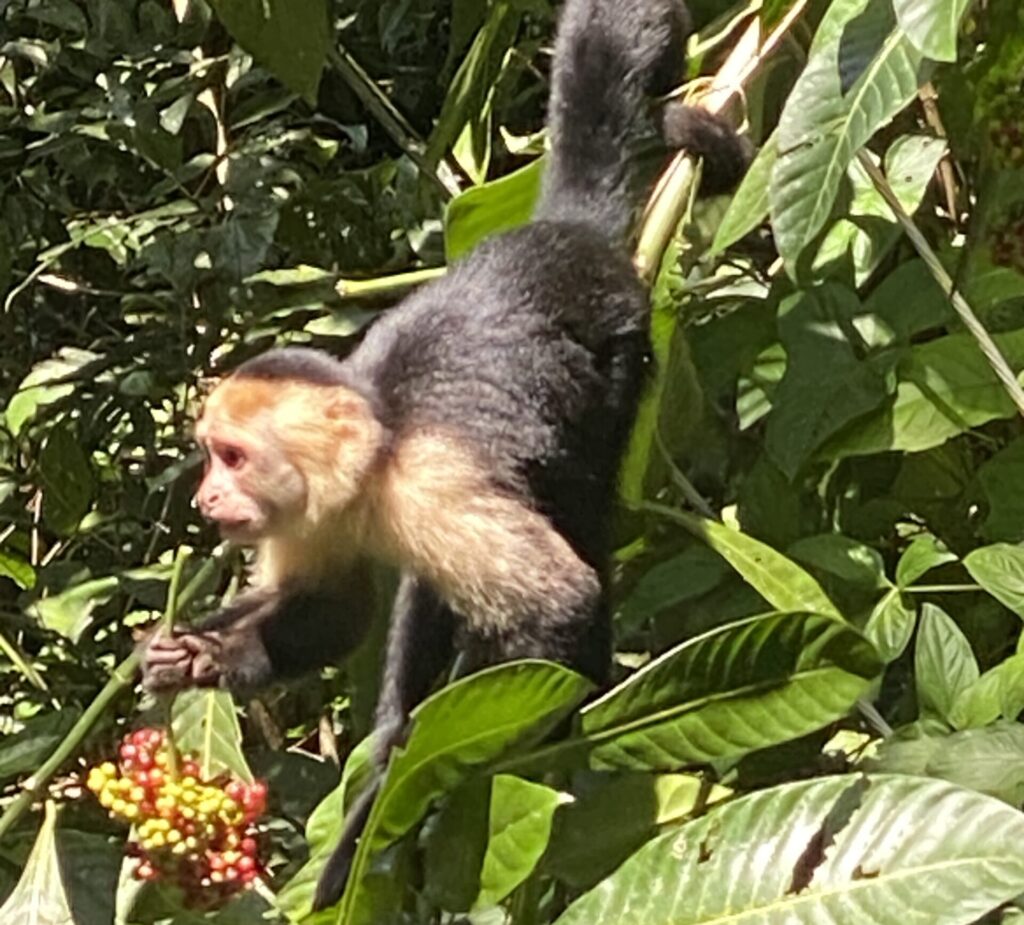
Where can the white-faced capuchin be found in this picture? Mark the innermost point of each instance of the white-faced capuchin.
(473, 439)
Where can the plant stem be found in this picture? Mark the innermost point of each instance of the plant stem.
(971, 321)
(940, 589)
(386, 285)
(121, 678)
(167, 700)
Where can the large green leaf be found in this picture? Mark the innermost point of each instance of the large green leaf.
(944, 664)
(989, 760)
(67, 479)
(70, 611)
(932, 25)
(835, 851)
(205, 724)
(779, 580)
(826, 385)
(518, 832)
(946, 387)
(1000, 478)
(25, 750)
(614, 814)
(862, 70)
(482, 211)
(731, 691)
(999, 569)
(461, 729)
(288, 37)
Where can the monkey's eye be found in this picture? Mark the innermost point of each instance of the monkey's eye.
(232, 456)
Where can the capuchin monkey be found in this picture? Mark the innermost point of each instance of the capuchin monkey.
(473, 438)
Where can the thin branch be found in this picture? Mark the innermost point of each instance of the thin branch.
(971, 321)
(393, 122)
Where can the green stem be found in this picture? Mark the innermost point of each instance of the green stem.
(167, 700)
(121, 678)
(971, 321)
(392, 284)
(940, 589)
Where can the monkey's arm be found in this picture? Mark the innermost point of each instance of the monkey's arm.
(263, 635)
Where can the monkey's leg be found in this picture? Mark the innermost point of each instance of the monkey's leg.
(419, 646)
(261, 636)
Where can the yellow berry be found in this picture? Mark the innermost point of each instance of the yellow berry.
(137, 794)
(108, 769)
(188, 783)
(172, 789)
(118, 806)
(157, 840)
(107, 798)
(130, 811)
(179, 848)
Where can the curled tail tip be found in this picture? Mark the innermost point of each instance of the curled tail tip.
(725, 153)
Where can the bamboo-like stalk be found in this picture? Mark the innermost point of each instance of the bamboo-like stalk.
(393, 122)
(971, 321)
(674, 190)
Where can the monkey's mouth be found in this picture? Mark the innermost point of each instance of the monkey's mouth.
(239, 531)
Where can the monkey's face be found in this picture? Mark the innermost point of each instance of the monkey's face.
(282, 457)
(251, 491)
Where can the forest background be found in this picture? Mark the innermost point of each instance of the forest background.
(819, 583)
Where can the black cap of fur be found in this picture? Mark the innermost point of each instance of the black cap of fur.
(304, 364)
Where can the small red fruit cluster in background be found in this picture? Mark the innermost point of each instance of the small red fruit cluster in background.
(198, 834)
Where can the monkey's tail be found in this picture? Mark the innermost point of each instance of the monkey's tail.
(611, 57)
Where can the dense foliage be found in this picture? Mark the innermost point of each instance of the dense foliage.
(820, 577)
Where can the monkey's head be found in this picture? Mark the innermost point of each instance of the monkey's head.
(285, 449)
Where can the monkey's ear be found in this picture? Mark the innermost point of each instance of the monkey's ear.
(344, 405)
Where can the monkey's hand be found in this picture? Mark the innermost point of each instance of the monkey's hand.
(226, 650)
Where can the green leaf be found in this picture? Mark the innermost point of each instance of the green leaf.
(907, 302)
(989, 760)
(825, 385)
(18, 570)
(205, 725)
(25, 750)
(861, 71)
(494, 207)
(323, 830)
(461, 729)
(469, 96)
(70, 612)
(871, 230)
(39, 898)
(749, 205)
(614, 814)
(891, 625)
(67, 479)
(832, 851)
(999, 569)
(731, 691)
(44, 386)
(289, 38)
(520, 826)
(1000, 478)
(946, 387)
(681, 578)
(779, 580)
(850, 561)
(921, 556)
(998, 692)
(944, 664)
(932, 25)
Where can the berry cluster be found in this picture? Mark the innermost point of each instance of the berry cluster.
(200, 835)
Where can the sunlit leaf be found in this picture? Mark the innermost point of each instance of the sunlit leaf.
(828, 852)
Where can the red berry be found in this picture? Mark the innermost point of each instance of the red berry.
(249, 846)
(128, 751)
(245, 863)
